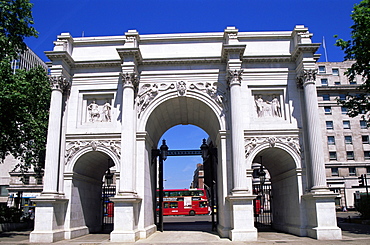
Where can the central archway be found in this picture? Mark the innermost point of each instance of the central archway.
(195, 109)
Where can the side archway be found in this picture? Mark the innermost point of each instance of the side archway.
(83, 186)
(286, 176)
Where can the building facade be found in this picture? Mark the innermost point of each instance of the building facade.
(113, 97)
(27, 60)
(346, 147)
(198, 177)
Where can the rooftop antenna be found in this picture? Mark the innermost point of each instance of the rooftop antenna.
(324, 46)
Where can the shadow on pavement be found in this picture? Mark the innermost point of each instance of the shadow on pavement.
(354, 226)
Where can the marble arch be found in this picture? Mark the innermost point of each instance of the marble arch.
(113, 97)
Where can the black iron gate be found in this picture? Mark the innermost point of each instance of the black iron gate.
(262, 205)
(108, 206)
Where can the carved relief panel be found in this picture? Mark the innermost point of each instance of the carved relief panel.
(97, 108)
(269, 104)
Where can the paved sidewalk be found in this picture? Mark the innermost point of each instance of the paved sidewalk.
(199, 233)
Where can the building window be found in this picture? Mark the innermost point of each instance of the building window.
(324, 82)
(334, 171)
(331, 140)
(329, 125)
(365, 139)
(322, 69)
(352, 82)
(3, 190)
(332, 155)
(368, 170)
(344, 110)
(350, 155)
(346, 125)
(327, 110)
(348, 139)
(367, 155)
(325, 97)
(363, 124)
(335, 72)
(352, 171)
(337, 83)
(342, 97)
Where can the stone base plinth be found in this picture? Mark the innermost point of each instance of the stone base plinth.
(49, 219)
(321, 216)
(125, 218)
(242, 218)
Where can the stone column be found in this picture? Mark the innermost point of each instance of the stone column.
(319, 203)
(128, 136)
(237, 136)
(58, 85)
(307, 81)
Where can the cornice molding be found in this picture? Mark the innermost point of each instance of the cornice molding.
(232, 48)
(307, 47)
(60, 55)
(134, 51)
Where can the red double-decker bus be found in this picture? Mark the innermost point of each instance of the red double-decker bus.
(184, 202)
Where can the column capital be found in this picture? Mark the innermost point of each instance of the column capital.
(130, 80)
(234, 77)
(59, 83)
(307, 76)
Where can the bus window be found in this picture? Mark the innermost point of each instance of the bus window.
(202, 204)
(173, 205)
(180, 199)
(165, 193)
(165, 205)
(200, 193)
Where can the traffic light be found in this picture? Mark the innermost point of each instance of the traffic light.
(361, 181)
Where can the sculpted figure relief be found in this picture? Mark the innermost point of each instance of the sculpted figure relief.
(95, 115)
(216, 95)
(107, 112)
(93, 111)
(146, 96)
(268, 108)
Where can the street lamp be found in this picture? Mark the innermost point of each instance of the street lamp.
(204, 148)
(261, 173)
(162, 153)
(164, 150)
(109, 176)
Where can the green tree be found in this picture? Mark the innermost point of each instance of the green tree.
(358, 49)
(24, 95)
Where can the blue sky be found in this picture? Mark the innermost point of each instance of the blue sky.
(114, 17)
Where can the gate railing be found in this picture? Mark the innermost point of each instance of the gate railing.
(108, 206)
(262, 205)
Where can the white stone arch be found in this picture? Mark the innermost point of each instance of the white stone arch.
(203, 97)
(101, 148)
(290, 150)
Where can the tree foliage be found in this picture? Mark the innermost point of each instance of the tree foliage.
(24, 95)
(15, 24)
(358, 49)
